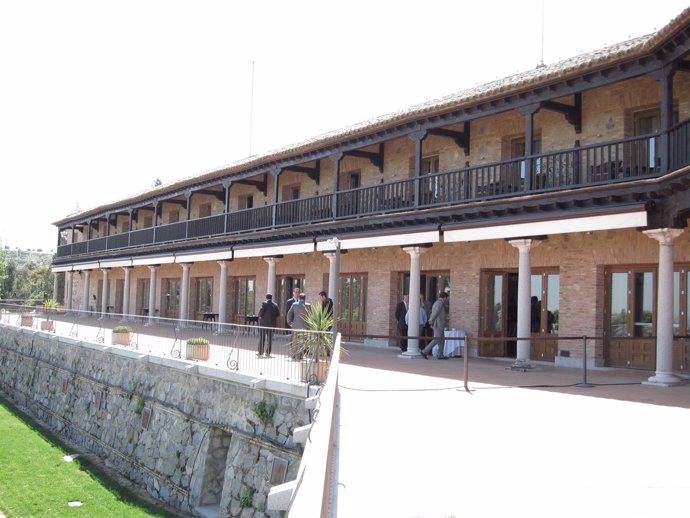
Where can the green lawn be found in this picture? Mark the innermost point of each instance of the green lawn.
(35, 481)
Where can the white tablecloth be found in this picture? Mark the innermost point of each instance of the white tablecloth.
(452, 347)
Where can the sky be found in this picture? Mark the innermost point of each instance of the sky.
(98, 99)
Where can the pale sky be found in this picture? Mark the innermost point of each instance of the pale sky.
(98, 99)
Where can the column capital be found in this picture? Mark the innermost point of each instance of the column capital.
(126, 268)
(185, 266)
(152, 267)
(273, 259)
(223, 263)
(664, 236)
(524, 245)
(415, 250)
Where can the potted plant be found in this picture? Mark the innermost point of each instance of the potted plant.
(198, 349)
(315, 347)
(27, 319)
(122, 335)
(50, 306)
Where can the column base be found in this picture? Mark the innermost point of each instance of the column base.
(662, 379)
(410, 355)
(522, 365)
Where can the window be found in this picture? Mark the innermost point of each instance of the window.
(544, 313)
(631, 302)
(245, 296)
(245, 202)
(291, 192)
(171, 297)
(204, 294)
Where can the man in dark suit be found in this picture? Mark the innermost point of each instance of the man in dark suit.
(326, 304)
(400, 312)
(268, 314)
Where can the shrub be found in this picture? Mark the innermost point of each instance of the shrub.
(197, 341)
(122, 329)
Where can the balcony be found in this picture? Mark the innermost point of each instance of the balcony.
(612, 162)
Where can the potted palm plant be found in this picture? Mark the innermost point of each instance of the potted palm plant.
(198, 348)
(122, 335)
(50, 306)
(315, 346)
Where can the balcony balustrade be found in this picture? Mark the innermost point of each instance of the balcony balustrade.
(617, 161)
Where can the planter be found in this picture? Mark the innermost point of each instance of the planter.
(198, 352)
(47, 325)
(27, 320)
(122, 338)
(314, 372)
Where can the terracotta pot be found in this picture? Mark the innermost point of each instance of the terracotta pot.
(47, 325)
(27, 320)
(198, 352)
(122, 338)
(315, 372)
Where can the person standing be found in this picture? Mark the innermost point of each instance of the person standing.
(268, 315)
(290, 302)
(400, 313)
(437, 321)
(295, 319)
(327, 305)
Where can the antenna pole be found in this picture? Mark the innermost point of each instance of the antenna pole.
(251, 113)
(542, 32)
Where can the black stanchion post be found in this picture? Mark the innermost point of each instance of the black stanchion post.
(583, 383)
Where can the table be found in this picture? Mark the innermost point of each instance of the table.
(208, 317)
(251, 320)
(452, 347)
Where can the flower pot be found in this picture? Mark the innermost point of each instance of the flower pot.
(47, 325)
(27, 320)
(314, 372)
(198, 352)
(122, 338)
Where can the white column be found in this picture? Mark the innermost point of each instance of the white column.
(152, 296)
(524, 309)
(85, 292)
(223, 295)
(332, 273)
(104, 294)
(271, 280)
(413, 309)
(68, 290)
(184, 295)
(55, 285)
(664, 307)
(125, 294)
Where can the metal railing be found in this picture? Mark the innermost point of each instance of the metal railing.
(615, 161)
(231, 347)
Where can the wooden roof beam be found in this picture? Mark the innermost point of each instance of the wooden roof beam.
(573, 114)
(261, 185)
(313, 172)
(376, 158)
(461, 138)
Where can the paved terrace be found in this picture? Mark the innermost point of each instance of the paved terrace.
(411, 442)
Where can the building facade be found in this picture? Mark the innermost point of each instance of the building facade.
(551, 205)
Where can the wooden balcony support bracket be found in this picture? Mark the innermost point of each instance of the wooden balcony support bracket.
(375, 158)
(461, 138)
(219, 195)
(313, 172)
(573, 114)
(261, 185)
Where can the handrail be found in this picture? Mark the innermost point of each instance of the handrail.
(313, 484)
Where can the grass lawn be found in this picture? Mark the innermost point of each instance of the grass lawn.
(35, 481)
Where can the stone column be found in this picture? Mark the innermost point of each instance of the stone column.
(333, 276)
(68, 290)
(524, 309)
(413, 309)
(152, 296)
(184, 295)
(105, 295)
(664, 307)
(125, 293)
(223, 295)
(85, 293)
(271, 280)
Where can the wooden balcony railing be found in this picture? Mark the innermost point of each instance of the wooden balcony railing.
(618, 161)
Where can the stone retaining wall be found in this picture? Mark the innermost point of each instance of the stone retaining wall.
(190, 436)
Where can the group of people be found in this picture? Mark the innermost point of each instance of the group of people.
(435, 319)
(296, 309)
